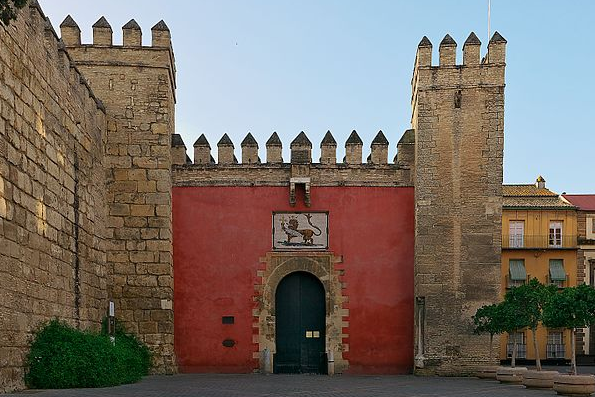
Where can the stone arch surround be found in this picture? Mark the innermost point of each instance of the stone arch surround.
(327, 268)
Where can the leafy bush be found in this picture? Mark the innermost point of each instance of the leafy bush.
(63, 357)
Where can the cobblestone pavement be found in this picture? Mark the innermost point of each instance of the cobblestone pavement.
(209, 385)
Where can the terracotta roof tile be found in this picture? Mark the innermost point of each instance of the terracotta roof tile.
(585, 202)
(552, 202)
(529, 190)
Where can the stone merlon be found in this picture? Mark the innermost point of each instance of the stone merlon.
(202, 141)
(328, 140)
(354, 139)
(301, 140)
(274, 140)
(225, 141)
(249, 141)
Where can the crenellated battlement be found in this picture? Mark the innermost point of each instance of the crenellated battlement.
(103, 34)
(251, 171)
(131, 53)
(471, 52)
(301, 151)
(475, 71)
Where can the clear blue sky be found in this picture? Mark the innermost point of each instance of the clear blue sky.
(313, 65)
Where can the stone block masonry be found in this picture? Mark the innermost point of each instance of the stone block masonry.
(458, 118)
(86, 197)
(137, 85)
(52, 191)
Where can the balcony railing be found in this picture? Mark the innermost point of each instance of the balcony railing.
(521, 350)
(558, 283)
(555, 350)
(514, 283)
(537, 241)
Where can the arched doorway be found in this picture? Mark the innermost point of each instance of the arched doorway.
(300, 312)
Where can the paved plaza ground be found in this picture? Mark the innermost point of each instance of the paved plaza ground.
(210, 385)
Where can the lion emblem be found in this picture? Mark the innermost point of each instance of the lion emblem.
(291, 229)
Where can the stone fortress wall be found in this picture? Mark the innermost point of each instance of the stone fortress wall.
(85, 185)
(52, 191)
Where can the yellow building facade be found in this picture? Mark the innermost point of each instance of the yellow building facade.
(539, 232)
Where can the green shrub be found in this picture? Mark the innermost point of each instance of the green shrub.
(63, 357)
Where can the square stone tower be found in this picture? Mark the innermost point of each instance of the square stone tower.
(458, 118)
(137, 86)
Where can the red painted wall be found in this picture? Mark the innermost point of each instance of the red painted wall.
(221, 232)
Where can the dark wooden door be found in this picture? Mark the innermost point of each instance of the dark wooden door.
(300, 313)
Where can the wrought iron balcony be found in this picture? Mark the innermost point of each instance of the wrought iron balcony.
(538, 242)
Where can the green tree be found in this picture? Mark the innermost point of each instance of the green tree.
(529, 300)
(572, 308)
(487, 320)
(8, 10)
(512, 319)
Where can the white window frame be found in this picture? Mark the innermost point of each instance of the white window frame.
(521, 344)
(516, 234)
(555, 234)
(555, 348)
(591, 227)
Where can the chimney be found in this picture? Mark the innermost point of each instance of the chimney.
(540, 183)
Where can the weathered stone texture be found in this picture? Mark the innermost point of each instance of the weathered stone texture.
(279, 175)
(52, 192)
(458, 117)
(137, 85)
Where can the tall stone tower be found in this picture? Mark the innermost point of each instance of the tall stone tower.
(458, 118)
(137, 86)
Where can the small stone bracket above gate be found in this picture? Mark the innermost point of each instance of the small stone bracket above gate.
(293, 182)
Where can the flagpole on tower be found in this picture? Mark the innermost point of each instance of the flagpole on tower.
(489, 9)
